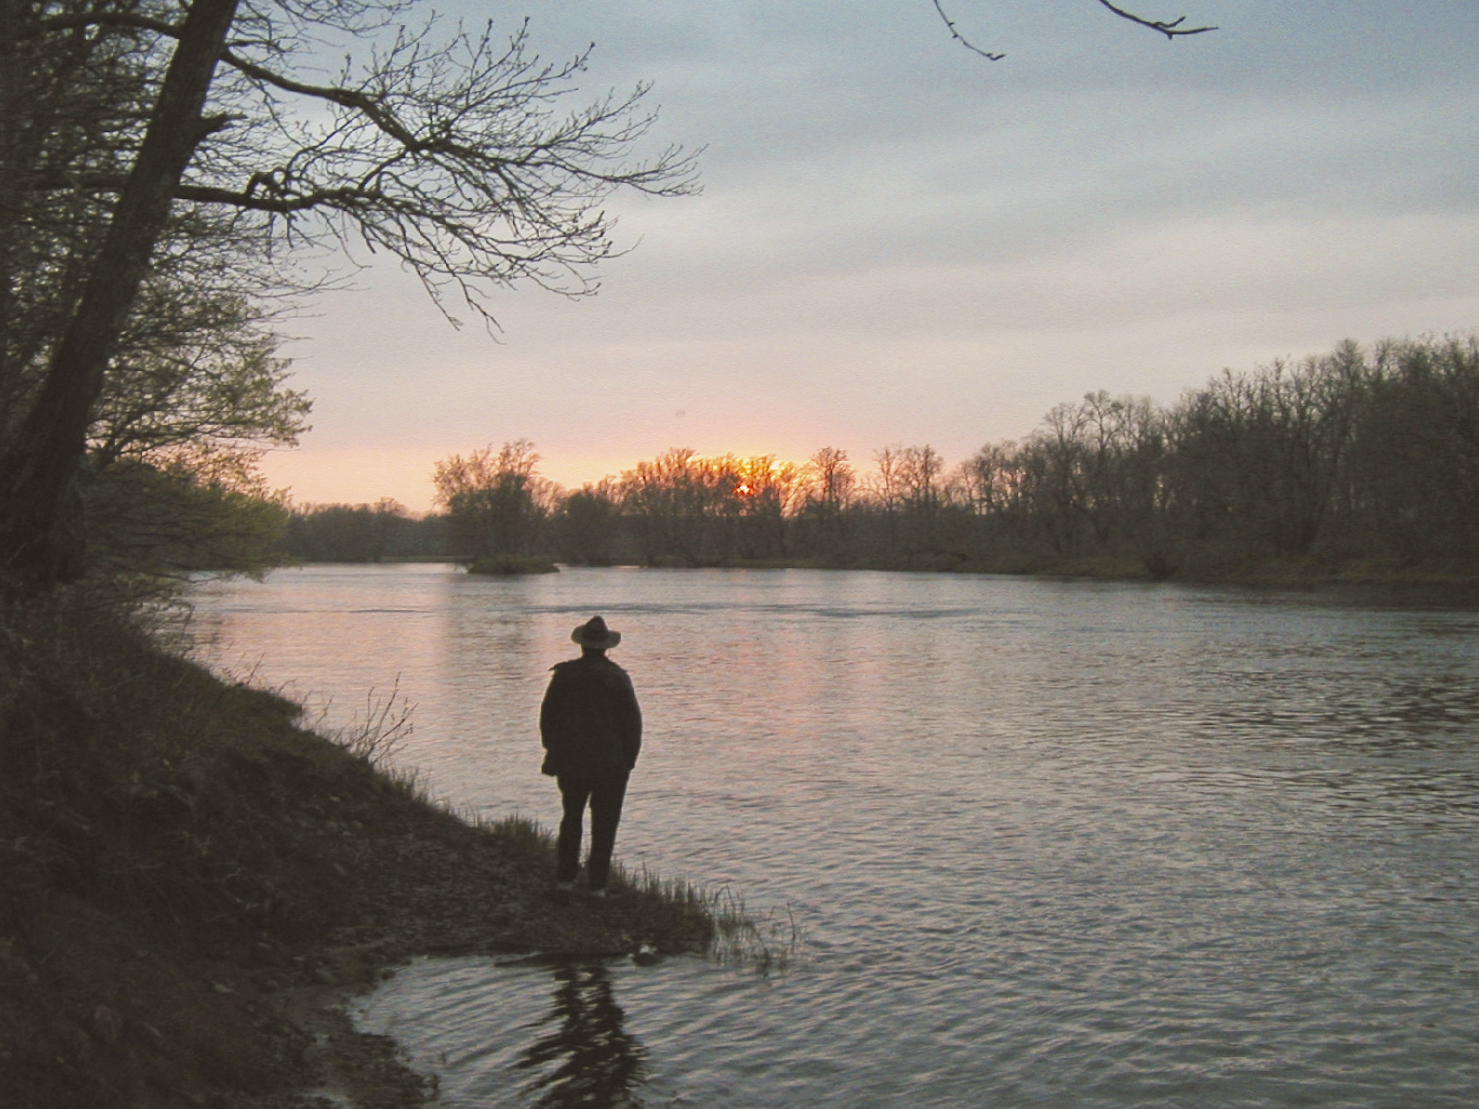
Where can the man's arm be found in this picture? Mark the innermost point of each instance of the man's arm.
(554, 707)
(629, 720)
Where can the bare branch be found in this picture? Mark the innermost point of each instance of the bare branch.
(345, 98)
(453, 157)
(1171, 29)
(277, 205)
(958, 37)
(76, 20)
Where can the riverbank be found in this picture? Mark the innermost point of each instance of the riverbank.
(190, 885)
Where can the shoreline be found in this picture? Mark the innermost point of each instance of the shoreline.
(192, 887)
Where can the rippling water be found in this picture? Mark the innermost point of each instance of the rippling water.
(1047, 844)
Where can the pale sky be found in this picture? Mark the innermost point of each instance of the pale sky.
(900, 242)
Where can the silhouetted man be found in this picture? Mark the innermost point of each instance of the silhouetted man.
(592, 730)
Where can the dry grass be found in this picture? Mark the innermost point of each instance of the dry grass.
(378, 733)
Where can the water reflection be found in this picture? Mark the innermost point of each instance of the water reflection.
(1105, 846)
(587, 1056)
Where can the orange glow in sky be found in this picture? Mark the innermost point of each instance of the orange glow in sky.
(352, 475)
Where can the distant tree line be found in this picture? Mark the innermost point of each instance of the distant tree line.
(1356, 457)
(380, 532)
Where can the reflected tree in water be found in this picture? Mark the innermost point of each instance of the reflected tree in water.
(588, 1058)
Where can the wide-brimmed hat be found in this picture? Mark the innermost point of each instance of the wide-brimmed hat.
(595, 633)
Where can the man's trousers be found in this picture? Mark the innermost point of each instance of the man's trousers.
(604, 795)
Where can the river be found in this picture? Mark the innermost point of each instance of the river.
(1038, 843)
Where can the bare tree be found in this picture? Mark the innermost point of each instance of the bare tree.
(831, 482)
(887, 485)
(992, 479)
(453, 156)
(920, 470)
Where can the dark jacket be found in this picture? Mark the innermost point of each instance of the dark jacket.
(589, 722)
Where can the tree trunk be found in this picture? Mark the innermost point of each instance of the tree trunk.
(41, 539)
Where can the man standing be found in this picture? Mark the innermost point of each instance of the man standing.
(592, 730)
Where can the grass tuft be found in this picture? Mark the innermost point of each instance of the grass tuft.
(379, 733)
(766, 943)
